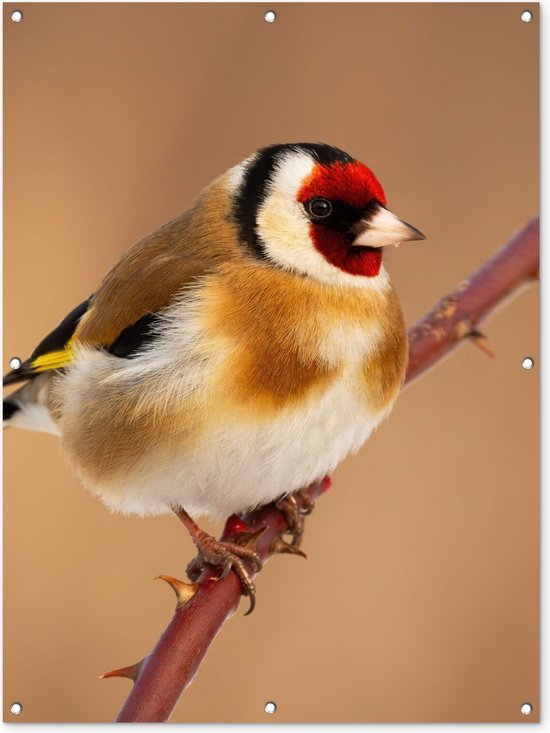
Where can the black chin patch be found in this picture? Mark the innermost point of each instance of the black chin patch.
(257, 178)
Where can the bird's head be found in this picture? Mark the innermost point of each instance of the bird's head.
(314, 209)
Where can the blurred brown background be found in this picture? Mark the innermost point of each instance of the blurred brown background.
(115, 117)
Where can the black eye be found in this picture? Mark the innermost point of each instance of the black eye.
(319, 208)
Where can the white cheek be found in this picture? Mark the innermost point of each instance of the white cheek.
(292, 170)
(282, 224)
(285, 232)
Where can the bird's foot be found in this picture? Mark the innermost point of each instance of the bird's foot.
(295, 507)
(226, 556)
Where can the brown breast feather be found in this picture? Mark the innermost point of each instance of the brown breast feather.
(279, 320)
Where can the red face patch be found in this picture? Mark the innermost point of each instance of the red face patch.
(353, 184)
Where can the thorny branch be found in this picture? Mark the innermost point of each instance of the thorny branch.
(457, 316)
(203, 607)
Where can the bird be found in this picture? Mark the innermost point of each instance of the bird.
(234, 356)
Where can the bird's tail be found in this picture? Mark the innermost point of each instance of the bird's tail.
(27, 407)
(9, 409)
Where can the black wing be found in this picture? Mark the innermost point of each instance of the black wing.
(54, 341)
(132, 340)
(127, 345)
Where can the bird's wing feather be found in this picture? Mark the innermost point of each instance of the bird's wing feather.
(119, 316)
(54, 351)
(145, 279)
(132, 340)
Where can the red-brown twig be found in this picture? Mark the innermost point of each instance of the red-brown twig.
(458, 314)
(202, 608)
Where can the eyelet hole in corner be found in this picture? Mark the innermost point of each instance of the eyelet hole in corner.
(270, 16)
(16, 16)
(270, 707)
(528, 362)
(526, 708)
(15, 363)
(16, 708)
(526, 16)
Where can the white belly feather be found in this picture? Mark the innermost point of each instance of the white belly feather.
(239, 466)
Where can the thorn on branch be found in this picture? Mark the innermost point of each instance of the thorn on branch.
(480, 340)
(279, 546)
(130, 672)
(184, 591)
(249, 539)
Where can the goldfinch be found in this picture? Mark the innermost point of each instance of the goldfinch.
(235, 355)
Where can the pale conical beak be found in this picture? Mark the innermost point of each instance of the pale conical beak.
(382, 228)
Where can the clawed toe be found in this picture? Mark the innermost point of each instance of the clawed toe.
(227, 556)
(295, 507)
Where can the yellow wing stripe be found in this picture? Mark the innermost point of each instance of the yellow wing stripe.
(55, 359)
